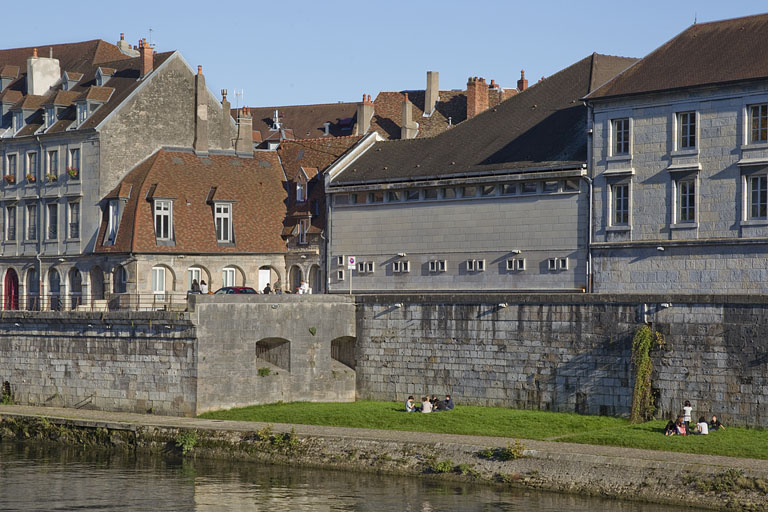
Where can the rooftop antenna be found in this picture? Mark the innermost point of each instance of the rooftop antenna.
(150, 36)
(238, 97)
(694, 17)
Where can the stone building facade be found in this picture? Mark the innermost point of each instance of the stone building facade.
(680, 156)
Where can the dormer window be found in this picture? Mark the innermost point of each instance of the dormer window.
(223, 219)
(103, 75)
(18, 121)
(50, 116)
(163, 219)
(82, 113)
(113, 222)
(301, 192)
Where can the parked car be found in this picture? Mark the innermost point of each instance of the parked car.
(234, 289)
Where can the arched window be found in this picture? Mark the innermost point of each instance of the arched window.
(119, 279)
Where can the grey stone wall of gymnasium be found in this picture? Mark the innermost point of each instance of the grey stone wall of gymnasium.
(566, 352)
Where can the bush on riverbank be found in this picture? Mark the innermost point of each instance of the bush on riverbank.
(501, 422)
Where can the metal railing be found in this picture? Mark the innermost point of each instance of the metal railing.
(110, 302)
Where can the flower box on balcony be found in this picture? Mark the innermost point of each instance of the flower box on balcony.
(31, 178)
(73, 172)
(10, 179)
(50, 178)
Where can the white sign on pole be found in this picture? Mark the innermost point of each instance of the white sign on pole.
(351, 260)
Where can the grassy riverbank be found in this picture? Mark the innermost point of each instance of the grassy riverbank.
(496, 421)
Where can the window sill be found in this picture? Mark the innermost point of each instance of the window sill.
(618, 229)
(225, 244)
(685, 152)
(755, 145)
(619, 158)
(754, 222)
(684, 225)
(165, 243)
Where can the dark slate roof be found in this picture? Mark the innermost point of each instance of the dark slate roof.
(305, 121)
(704, 54)
(255, 185)
(541, 127)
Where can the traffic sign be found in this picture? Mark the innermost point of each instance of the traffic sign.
(351, 260)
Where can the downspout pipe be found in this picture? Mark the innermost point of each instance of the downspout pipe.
(39, 226)
(590, 180)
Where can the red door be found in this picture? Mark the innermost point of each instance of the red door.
(11, 290)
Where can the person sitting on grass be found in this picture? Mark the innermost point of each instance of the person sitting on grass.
(670, 429)
(426, 405)
(715, 424)
(448, 404)
(680, 428)
(410, 406)
(701, 427)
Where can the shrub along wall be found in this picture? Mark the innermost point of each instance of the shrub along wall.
(567, 352)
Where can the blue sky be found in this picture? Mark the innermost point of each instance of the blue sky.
(298, 52)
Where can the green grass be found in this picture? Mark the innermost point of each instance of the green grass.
(512, 423)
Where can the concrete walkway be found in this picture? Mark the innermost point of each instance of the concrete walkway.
(539, 449)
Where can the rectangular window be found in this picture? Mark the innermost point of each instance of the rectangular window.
(394, 196)
(340, 261)
(621, 136)
(552, 264)
(369, 266)
(509, 189)
(430, 193)
(376, 197)
(163, 218)
(476, 265)
(686, 133)
(758, 123)
(74, 220)
(488, 190)
(529, 187)
(113, 222)
(223, 219)
(32, 165)
(442, 265)
(469, 192)
(551, 186)
(53, 221)
(74, 159)
(433, 266)
(620, 198)
(82, 113)
(194, 274)
(405, 266)
(686, 201)
(31, 222)
(758, 196)
(563, 263)
(10, 168)
(449, 193)
(10, 223)
(301, 192)
(395, 266)
(158, 283)
(228, 277)
(52, 164)
(303, 229)
(401, 266)
(571, 186)
(361, 267)
(341, 199)
(18, 121)
(340, 275)
(520, 264)
(50, 116)
(412, 194)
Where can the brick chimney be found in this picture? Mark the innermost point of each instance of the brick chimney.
(432, 92)
(146, 58)
(477, 96)
(226, 136)
(522, 84)
(244, 143)
(408, 128)
(200, 144)
(364, 115)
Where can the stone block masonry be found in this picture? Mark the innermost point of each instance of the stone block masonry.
(567, 352)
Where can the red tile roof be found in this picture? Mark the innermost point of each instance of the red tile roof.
(255, 185)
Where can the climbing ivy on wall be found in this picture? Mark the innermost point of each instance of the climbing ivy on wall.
(642, 397)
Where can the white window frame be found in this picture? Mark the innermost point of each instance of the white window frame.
(192, 274)
(222, 219)
(18, 121)
(73, 220)
(52, 162)
(340, 261)
(52, 220)
(562, 263)
(30, 226)
(12, 160)
(163, 209)
(301, 191)
(32, 163)
(685, 213)
(613, 203)
(158, 283)
(370, 267)
(303, 229)
(400, 266)
(475, 265)
(762, 129)
(761, 206)
(552, 264)
(340, 274)
(11, 224)
(520, 265)
(50, 116)
(396, 266)
(82, 113)
(687, 131)
(113, 221)
(74, 159)
(228, 276)
(621, 135)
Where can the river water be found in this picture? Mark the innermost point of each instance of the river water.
(36, 477)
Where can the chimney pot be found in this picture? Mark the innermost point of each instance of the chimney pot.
(406, 97)
(369, 98)
(199, 69)
(122, 36)
(224, 94)
(34, 52)
(363, 97)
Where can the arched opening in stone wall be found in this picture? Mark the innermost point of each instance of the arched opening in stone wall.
(269, 275)
(119, 279)
(315, 281)
(276, 351)
(295, 278)
(54, 289)
(343, 351)
(97, 283)
(33, 290)
(75, 288)
(11, 290)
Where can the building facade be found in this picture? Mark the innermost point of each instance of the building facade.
(680, 162)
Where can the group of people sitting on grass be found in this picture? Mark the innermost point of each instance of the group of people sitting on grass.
(429, 405)
(682, 426)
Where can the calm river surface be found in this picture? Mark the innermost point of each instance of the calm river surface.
(36, 478)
